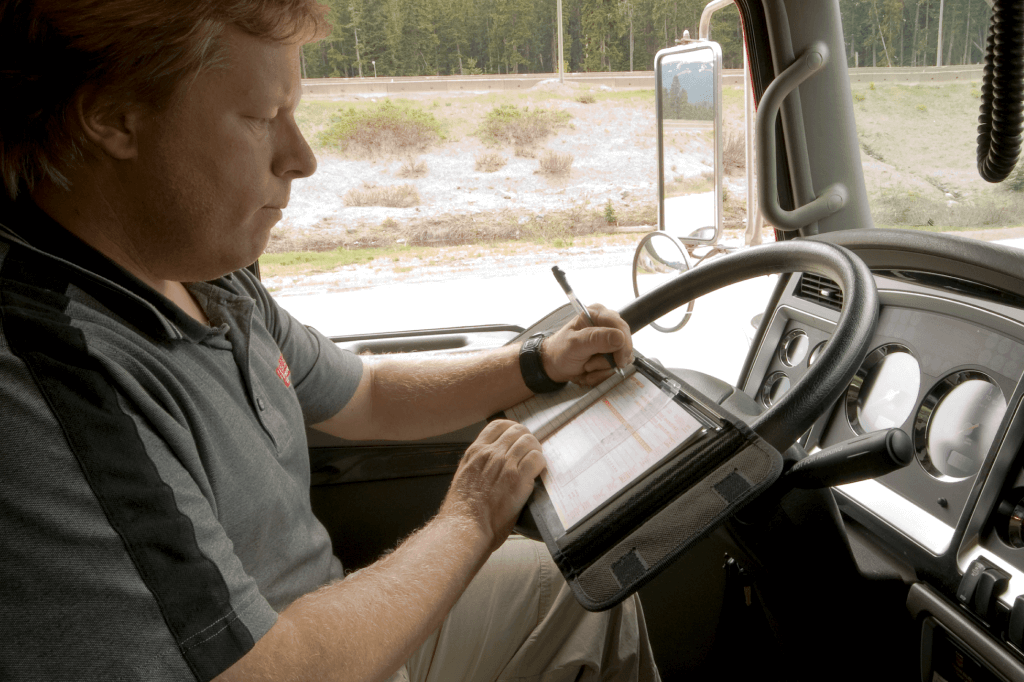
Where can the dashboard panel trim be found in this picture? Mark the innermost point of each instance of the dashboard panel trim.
(901, 514)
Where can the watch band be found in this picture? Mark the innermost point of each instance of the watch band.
(536, 379)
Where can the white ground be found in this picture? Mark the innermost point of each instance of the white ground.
(614, 147)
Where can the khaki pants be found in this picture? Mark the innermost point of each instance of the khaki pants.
(518, 621)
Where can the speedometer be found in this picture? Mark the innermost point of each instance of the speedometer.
(956, 424)
(884, 391)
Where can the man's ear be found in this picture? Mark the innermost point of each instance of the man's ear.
(111, 129)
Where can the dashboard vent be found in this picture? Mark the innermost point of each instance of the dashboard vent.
(820, 290)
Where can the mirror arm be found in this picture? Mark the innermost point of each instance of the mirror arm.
(704, 30)
(835, 196)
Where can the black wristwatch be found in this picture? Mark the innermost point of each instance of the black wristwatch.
(537, 380)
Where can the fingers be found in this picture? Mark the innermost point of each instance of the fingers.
(494, 430)
(594, 378)
(603, 317)
(518, 442)
(591, 345)
(610, 334)
(511, 439)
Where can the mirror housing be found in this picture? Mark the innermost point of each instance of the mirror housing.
(688, 100)
(658, 258)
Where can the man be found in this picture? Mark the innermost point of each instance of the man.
(154, 505)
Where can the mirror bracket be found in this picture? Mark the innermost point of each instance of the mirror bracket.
(835, 196)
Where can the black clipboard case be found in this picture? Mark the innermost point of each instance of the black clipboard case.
(639, 532)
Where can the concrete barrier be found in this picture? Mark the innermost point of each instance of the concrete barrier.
(636, 80)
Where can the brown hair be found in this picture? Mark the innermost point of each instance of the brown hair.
(143, 51)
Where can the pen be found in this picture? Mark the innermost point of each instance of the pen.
(581, 309)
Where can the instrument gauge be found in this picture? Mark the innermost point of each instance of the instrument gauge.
(794, 347)
(816, 353)
(956, 424)
(774, 388)
(884, 392)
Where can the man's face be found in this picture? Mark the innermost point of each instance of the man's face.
(214, 170)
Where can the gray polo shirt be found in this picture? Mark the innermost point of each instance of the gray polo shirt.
(154, 473)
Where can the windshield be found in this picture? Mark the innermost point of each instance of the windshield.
(916, 70)
(456, 166)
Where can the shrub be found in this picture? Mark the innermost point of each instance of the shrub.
(412, 168)
(382, 129)
(609, 213)
(734, 153)
(524, 152)
(490, 162)
(508, 124)
(586, 98)
(694, 184)
(391, 196)
(554, 163)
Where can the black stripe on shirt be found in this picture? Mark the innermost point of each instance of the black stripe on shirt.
(159, 538)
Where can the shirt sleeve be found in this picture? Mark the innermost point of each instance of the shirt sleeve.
(324, 376)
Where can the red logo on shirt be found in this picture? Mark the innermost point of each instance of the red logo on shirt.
(283, 371)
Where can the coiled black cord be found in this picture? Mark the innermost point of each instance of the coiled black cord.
(1002, 92)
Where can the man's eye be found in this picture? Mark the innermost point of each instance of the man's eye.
(260, 122)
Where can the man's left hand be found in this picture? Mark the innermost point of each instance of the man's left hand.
(576, 351)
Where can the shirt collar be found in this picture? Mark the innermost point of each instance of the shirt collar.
(23, 222)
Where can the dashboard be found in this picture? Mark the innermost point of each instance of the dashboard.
(945, 366)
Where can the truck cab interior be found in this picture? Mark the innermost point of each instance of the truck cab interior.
(892, 556)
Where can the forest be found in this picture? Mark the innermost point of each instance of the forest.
(387, 38)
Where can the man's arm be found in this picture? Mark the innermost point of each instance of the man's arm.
(365, 626)
(405, 398)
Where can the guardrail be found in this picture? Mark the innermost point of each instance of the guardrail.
(623, 80)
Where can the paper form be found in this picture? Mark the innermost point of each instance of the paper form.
(621, 436)
(545, 412)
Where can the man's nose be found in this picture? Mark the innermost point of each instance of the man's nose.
(294, 157)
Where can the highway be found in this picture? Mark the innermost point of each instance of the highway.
(619, 80)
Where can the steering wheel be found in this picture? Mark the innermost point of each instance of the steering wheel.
(783, 423)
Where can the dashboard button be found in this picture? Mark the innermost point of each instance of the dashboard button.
(1015, 632)
(968, 584)
(992, 583)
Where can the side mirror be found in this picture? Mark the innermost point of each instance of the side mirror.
(688, 99)
(658, 258)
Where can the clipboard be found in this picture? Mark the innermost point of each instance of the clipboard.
(617, 505)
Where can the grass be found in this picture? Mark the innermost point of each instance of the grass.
(391, 196)
(296, 262)
(404, 259)
(507, 124)
(555, 163)
(489, 162)
(385, 128)
(734, 153)
(693, 184)
(412, 168)
(919, 144)
(454, 229)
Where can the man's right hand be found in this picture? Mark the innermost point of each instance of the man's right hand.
(494, 479)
